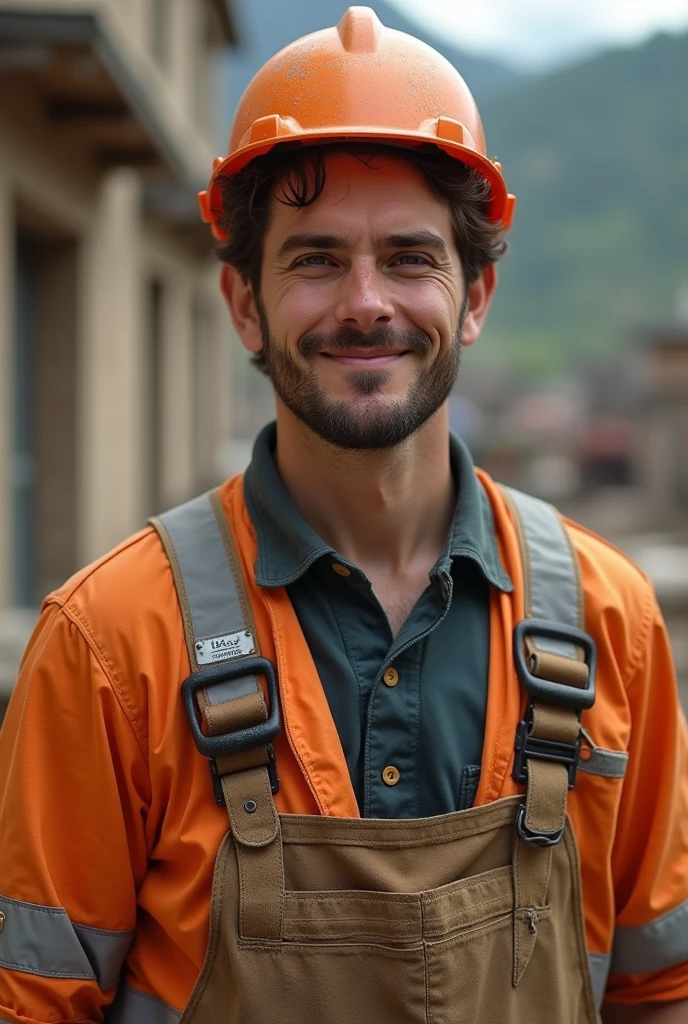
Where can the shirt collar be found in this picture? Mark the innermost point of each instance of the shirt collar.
(287, 546)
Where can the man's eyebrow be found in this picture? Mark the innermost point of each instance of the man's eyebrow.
(400, 240)
(414, 240)
(304, 240)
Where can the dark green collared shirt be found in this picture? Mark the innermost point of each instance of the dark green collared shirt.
(426, 718)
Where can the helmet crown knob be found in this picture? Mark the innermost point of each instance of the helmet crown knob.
(359, 30)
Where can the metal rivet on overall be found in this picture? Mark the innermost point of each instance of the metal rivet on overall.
(250, 806)
(199, 646)
(2, 920)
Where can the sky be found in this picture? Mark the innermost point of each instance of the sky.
(541, 33)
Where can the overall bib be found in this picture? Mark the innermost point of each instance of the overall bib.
(473, 917)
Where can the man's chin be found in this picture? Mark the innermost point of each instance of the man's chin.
(355, 429)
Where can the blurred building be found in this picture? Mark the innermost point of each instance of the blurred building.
(663, 457)
(113, 345)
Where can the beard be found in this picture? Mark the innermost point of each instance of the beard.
(367, 421)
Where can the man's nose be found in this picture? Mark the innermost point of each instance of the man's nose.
(364, 301)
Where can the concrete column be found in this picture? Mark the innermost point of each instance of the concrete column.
(137, 21)
(111, 385)
(177, 412)
(182, 52)
(6, 335)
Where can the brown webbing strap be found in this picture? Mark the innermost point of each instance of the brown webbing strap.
(251, 709)
(545, 812)
(545, 549)
(258, 842)
(551, 580)
(196, 537)
(531, 865)
(218, 622)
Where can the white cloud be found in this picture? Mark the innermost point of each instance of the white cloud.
(542, 32)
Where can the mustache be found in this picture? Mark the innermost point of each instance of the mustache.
(380, 338)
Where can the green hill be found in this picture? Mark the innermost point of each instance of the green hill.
(598, 157)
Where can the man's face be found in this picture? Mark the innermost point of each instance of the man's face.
(362, 301)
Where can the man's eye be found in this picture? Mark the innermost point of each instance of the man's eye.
(410, 259)
(316, 259)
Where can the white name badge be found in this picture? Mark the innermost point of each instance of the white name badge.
(222, 648)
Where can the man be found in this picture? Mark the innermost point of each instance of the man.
(383, 578)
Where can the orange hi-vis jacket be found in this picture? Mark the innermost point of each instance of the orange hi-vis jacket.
(108, 825)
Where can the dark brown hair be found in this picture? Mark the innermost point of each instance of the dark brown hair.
(295, 175)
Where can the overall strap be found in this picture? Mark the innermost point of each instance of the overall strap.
(232, 724)
(555, 663)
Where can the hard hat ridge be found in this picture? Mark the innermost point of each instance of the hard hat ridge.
(359, 30)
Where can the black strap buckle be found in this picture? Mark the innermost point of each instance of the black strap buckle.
(531, 835)
(528, 745)
(555, 693)
(253, 736)
(572, 697)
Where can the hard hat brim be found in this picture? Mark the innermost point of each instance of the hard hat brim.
(501, 202)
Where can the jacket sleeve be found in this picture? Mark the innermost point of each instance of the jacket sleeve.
(650, 856)
(73, 798)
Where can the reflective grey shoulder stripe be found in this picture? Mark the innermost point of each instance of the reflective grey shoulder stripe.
(599, 972)
(42, 940)
(654, 946)
(205, 569)
(553, 570)
(134, 1007)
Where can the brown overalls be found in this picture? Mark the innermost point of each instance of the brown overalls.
(472, 917)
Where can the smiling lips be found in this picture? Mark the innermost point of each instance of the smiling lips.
(368, 358)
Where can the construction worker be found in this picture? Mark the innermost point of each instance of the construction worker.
(359, 736)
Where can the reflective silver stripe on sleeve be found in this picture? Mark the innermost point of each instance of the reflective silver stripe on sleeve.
(654, 946)
(42, 940)
(210, 589)
(106, 952)
(598, 964)
(133, 1007)
(553, 570)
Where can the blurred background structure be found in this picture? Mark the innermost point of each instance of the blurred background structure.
(123, 390)
(113, 354)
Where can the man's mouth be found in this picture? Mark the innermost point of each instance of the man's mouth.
(366, 358)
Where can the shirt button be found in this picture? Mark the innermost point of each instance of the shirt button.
(390, 775)
(341, 570)
(391, 677)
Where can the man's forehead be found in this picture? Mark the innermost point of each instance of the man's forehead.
(347, 173)
(374, 189)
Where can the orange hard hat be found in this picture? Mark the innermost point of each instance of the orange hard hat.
(354, 82)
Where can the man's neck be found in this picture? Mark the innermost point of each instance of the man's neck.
(388, 512)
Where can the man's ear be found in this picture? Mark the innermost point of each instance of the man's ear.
(479, 297)
(243, 311)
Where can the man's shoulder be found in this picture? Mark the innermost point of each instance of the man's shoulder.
(619, 600)
(125, 606)
(605, 567)
(124, 576)
(607, 573)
